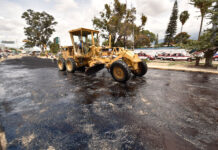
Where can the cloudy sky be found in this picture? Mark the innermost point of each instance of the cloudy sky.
(72, 14)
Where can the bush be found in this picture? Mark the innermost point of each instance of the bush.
(42, 54)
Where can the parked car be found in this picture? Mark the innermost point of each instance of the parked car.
(167, 57)
(164, 56)
(215, 57)
(145, 56)
(180, 56)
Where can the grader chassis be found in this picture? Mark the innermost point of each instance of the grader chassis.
(92, 58)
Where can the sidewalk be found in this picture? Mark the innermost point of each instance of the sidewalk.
(180, 67)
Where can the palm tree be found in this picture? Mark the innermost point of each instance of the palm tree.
(203, 5)
(183, 18)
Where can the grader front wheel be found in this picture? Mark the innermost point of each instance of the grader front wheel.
(120, 71)
(142, 69)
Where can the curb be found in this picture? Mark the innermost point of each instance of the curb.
(184, 70)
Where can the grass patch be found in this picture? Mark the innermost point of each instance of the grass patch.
(172, 64)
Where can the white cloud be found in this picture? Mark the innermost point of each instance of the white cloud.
(72, 14)
(11, 24)
(65, 5)
(153, 8)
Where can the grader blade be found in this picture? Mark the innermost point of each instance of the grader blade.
(94, 69)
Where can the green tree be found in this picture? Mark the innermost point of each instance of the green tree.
(40, 28)
(214, 21)
(203, 5)
(118, 20)
(149, 37)
(183, 18)
(156, 41)
(213, 37)
(208, 42)
(181, 38)
(204, 45)
(54, 47)
(141, 39)
(172, 26)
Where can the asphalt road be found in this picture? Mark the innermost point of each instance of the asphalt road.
(43, 108)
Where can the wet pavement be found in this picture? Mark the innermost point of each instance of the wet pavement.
(43, 108)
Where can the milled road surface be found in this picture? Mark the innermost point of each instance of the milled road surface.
(43, 108)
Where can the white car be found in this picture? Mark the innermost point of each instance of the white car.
(180, 56)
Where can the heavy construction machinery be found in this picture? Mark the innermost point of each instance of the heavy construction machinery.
(86, 54)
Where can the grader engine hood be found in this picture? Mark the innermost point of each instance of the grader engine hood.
(132, 56)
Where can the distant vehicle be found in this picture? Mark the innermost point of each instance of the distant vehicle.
(4, 55)
(180, 56)
(34, 53)
(145, 56)
(215, 57)
(164, 56)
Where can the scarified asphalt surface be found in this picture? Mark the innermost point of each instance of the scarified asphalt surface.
(43, 108)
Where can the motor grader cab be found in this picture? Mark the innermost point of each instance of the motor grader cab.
(85, 53)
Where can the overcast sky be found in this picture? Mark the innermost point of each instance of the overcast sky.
(72, 14)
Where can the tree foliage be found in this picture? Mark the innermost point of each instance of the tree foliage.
(183, 18)
(208, 42)
(181, 38)
(40, 28)
(213, 13)
(54, 47)
(172, 26)
(203, 5)
(156, 41)
(118, 20)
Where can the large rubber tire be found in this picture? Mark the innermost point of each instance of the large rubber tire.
(142, 69)
(61, 64)
(120, 71)
(70, 65)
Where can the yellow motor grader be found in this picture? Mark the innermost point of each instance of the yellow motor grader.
(85, 53)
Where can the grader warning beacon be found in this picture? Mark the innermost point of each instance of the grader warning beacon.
(86, 54)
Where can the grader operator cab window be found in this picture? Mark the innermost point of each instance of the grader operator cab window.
(82, 39)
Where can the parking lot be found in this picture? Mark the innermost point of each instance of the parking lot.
(43, 108)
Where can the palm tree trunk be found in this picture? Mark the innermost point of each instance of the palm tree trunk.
(208, 61)
(181, 28)
(42, 48)
(197, 61)
(209, 57)
(202, 18)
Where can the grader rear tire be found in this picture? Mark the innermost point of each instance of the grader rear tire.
(70, 65)
(120, 71)
(142, 69)
(61, 64)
